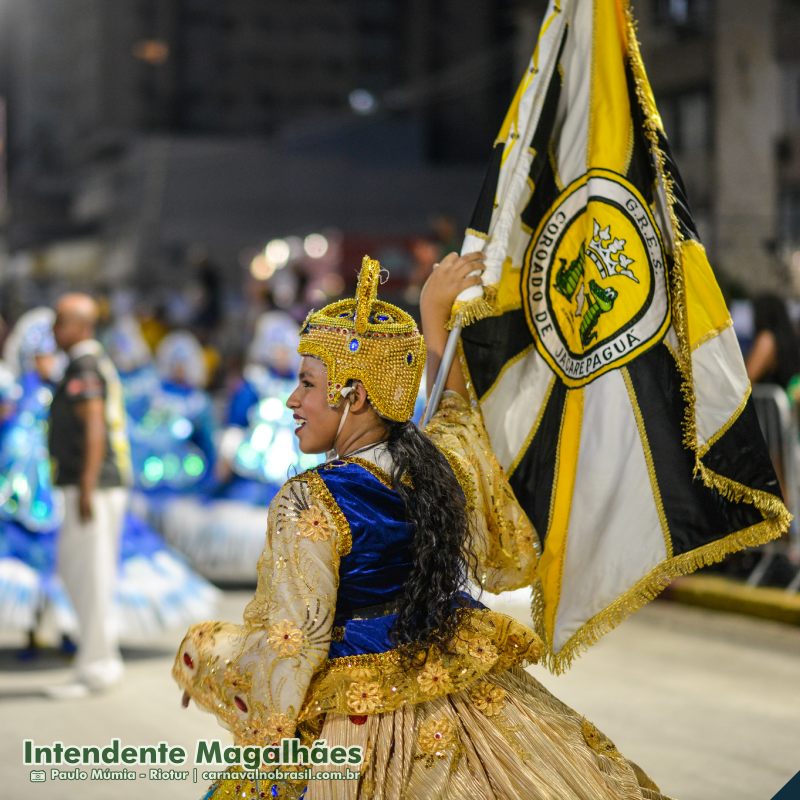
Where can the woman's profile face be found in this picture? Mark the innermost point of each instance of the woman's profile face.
(317, 422)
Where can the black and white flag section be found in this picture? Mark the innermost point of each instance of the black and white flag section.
(600, 351)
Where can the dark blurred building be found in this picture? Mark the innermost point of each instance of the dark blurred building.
(103, 96)
(140, 126)
(247, 67)
(726, 74)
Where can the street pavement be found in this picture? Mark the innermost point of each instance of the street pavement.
(707, 703)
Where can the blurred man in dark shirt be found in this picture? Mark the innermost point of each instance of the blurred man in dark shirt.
(91, 463)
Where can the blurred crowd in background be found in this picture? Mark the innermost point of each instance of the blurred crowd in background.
(290, 275)
(211, 439)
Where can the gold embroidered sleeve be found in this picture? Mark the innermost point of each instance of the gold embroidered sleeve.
(504, 539)
(254, 676)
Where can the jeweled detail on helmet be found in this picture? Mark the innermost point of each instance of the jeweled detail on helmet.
(366, 339)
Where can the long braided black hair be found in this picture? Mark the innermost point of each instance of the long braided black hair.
(442, 552)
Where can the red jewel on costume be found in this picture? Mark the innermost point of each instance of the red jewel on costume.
(358, 720)
(240, 704)
(187, 659)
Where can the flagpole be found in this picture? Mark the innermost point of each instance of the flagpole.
(444, 370)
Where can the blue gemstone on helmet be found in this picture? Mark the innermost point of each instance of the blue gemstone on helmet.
(382, 318)
(345, 314)
(409, 359)
(354, 345)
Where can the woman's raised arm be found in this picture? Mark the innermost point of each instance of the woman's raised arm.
(448, 279)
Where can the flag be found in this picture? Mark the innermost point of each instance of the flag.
(601, 351)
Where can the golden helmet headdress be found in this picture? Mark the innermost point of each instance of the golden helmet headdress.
(371, 341)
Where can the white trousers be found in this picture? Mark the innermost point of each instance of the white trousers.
(88, 554)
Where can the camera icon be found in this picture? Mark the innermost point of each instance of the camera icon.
(38, 776)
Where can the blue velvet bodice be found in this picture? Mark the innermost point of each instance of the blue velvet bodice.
(375, 569)
(373, 573)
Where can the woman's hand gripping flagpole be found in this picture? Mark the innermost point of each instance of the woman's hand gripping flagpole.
(456, 278)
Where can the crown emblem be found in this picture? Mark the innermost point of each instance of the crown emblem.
(607, 252)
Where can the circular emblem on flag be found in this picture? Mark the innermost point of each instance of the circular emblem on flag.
(594, 281)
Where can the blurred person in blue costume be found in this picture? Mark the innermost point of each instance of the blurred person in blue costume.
(173, 444)
(31, 353)
(30, 510)
(156, 590)
(258, 446)
(127, 348)
(223, 535)
(362, 631)
(23, 559)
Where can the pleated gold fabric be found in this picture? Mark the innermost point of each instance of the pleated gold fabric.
(506, 739)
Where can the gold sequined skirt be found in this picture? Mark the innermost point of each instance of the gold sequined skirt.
(504, 738)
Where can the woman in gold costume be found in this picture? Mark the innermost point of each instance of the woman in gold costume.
(362, 631)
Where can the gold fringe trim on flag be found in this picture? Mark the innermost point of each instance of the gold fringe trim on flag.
(711, 441)
(647, 589)
(473, 310)
(652, 126)
(770, 506)
(712, 334)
